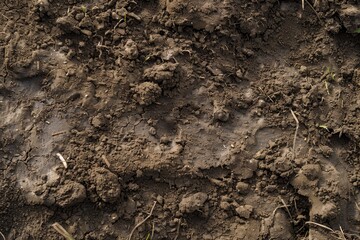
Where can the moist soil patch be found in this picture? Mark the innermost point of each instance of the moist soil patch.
(170, 119)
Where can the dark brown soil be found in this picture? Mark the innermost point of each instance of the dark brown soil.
(184, 106)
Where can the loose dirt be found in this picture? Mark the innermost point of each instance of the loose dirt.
(180, 112)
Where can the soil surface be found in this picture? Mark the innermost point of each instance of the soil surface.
(170, 119)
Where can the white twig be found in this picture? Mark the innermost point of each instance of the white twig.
(296, 131)
(178, 230)
(320, 225)
(62, 159)
(140, 223)
(303, 4)
(2, 235)
(62, 231)
(106, 161)
(286, 207)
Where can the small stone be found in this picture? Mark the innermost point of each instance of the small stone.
(260, 155)
(225, 205)
(244, 211)
(303, 70)
(160, 199)
(261, 103)
(79, 16)
(114, 217)
(221, 115)
(240, 73)
(152, 131)
(242, 187)
(86, 32)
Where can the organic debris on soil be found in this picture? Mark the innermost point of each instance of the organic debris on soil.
(175, 119)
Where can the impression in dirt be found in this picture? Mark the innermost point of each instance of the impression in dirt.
(179, 120)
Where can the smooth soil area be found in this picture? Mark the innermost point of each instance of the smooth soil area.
(172, 119)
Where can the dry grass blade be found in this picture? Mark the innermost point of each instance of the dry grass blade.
(152, 231)
(286, 207)
(106, 161)
(142, 222)
(62, 159)
(341, 234)
(2, 235)
(62, 231)
(357, 206)
(296, 131)
(320, 225)
(178, 230)
(312, 8)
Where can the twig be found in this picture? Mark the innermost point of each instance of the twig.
(140, 223)
(58, 133)
(117, 24)
(178, 230)
(152, 231)
(2, 235)
(106, 161)
(62, 231)
(303, 4)
(317, 15)
(4, 16)
(320, 225)
(262, 91)
(341, 234)
(296, 132)
(62, 159)
(357, 206)
(286, 207)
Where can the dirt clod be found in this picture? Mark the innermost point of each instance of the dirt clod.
(163, 74)
(244, 211)
(190, 104)
(193, 202)
(70, 194)
(220, 113)
(281, 228)
(130, 50)
(146, 93)
(99, 121)
(242, 187)
(106, 184)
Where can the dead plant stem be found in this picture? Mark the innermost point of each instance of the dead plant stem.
(143, 221)
(296, 132)
(178, 230)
